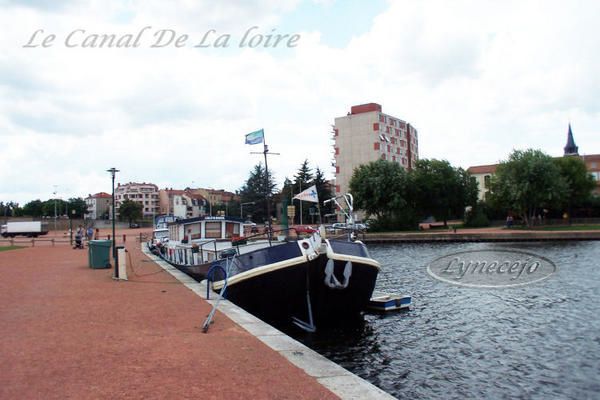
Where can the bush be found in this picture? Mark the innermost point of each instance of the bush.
(477, 217)
(406, 221)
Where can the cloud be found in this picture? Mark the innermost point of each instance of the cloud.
(475, 78)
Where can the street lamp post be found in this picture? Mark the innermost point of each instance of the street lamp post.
(55, 210)
(113, 171)
(242, 208)
(71, 226)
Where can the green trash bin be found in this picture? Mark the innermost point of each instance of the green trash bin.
(99, 253)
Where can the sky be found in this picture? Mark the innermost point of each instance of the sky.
(477, 79)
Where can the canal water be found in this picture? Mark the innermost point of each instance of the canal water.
(540, 341)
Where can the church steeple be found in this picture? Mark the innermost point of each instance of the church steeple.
(570, 148)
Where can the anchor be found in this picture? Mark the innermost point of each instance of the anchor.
(306, 326)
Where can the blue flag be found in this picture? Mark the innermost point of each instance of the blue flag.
(255, 137)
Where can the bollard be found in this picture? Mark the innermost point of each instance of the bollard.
(124, 238)
(52, 240)
(140, 237)
(107, 237)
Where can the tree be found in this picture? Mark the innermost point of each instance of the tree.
(53, 207)
(80, 207)
(130, 211)
(528, 182)
(383, 190)
(578, 180)
(33, 209)
(256, 190)
(9, 209)
(302, 180)
(442, 190)
(323, 190)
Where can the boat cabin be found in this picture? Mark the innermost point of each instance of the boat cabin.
(219, 228)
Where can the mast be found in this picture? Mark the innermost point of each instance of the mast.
(255, 140)
(267, 194)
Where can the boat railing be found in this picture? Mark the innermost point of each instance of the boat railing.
(244, 241)
(193, 254)
(199, 252)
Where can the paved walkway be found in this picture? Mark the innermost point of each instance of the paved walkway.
(70, 332)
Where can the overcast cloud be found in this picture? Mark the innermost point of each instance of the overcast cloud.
(476, 78)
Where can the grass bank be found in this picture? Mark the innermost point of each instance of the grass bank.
(6, 248)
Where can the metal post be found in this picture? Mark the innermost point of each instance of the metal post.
(55, 211)
(267, 194)
(113, 171)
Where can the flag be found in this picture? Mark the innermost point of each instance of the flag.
(255, 137)
(309, 194)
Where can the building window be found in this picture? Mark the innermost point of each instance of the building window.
(376, 146)
(336, 132)
(337, 169)
(337, 188)
(486, 181)
(337, 151)
(375, 126)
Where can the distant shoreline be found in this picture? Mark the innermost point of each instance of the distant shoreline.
(482, 235)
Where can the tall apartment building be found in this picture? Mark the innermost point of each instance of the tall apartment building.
(98, 205)
(144, 193)
(367, 134)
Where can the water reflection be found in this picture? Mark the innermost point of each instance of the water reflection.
(535, 341)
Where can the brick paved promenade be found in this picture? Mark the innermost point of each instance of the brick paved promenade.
(70, 332)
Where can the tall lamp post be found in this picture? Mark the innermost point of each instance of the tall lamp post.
(71, 226)
(113, 171)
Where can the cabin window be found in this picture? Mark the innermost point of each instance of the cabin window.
(213, 230)
(232, 229)
(194, 230)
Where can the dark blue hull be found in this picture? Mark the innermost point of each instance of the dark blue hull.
(277, 293)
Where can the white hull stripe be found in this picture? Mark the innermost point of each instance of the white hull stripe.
(260, 270)
(354, 259)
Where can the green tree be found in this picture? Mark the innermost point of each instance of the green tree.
(578, 180)
(9, 209)
(33, 209)
(79, 205)
(130, 211)
(256, 190)
(302, 180)
(442, 190)
(323, 190)
(53, 207)
(528, 182)
(383, 190)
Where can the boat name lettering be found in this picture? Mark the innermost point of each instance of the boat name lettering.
(491, 268)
